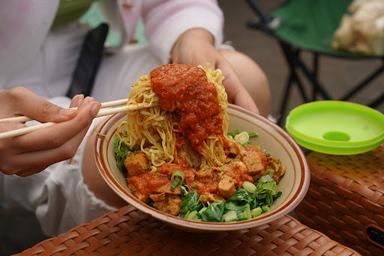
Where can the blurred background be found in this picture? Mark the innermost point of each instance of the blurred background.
(337, 75)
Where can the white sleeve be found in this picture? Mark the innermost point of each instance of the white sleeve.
(165, 21)
(57, 195)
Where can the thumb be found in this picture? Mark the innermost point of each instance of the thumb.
(35, 107)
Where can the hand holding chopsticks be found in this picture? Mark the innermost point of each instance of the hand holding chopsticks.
(107, 108)
(64, 129)
(33, 152)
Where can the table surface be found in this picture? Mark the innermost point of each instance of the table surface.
(346, 199)
(362, 173)
(130, 232)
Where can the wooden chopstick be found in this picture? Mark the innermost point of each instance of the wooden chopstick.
(108, 110)
(103, 105)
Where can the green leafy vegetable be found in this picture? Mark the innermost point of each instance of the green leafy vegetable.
(214, 212)
(278, 194)
(177, 179)
(230, 216)
(241, 197)
(191, 202)
(242, 205)
(256, 212)
(121, 151)
(194, 215)
(245, 214)
(231, 206)
(266, 191)
(265, 208)
(253, 200)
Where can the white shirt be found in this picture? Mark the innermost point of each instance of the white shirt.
(32, 56)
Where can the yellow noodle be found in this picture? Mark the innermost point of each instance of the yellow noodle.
(153, 130)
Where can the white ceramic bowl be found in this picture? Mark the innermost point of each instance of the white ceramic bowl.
(293, 185)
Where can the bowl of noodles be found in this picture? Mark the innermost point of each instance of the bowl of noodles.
(192, 160)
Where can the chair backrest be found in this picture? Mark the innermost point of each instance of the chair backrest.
(310, 24)
(324, 14)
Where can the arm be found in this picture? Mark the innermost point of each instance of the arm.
(30, 153)
(166, 21)
(190, 32)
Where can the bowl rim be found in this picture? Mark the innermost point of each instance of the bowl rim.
(198, 225)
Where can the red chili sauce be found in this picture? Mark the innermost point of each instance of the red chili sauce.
(185, 89)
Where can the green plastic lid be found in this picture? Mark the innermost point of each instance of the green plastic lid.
(336, 127)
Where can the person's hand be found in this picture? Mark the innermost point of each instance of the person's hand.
(31, 153)
(195, 46)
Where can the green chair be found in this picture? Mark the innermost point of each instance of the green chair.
(308, 25)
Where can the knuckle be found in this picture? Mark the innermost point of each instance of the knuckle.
(15, 93)
(47, 108)
(68, 151)
(54, 140)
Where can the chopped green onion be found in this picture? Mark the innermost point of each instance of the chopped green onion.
(192, 216)
(230, 216)
(265, 178)
(245, 214)
(242, 138)
(177, 179)
(278, 194)
(249, 186)
(234, 133)
(184, 191)
(121, 151)
(252, 135)
(256, 212)
(265, 208)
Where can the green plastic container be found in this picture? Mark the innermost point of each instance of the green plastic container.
(336, 127)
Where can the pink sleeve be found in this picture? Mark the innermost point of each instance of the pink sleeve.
(166, 20)
(24, 25)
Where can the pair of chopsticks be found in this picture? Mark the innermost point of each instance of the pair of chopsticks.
(107, 108)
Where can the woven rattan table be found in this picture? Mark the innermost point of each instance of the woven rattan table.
(130, 232)
(346, 199)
